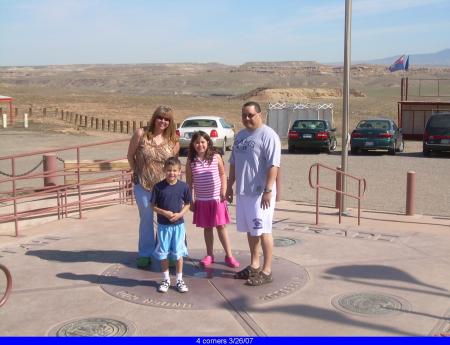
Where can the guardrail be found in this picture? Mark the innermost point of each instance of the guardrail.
(8, 284)
(317, 186)
(94, 183)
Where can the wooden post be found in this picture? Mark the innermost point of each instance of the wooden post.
(128, 127)
(115, 126)
(121, 126)
(96, 123)
(109, 125)
(141, 124)
(92, 122)
(134, 126)
(103, 124)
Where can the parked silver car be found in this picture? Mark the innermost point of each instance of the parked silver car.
(221, 132)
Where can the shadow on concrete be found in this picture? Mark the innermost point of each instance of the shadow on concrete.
(111, 280)
(317, 313)
(102, 256)
(358, 274)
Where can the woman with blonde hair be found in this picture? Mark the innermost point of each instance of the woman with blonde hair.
(148, 150)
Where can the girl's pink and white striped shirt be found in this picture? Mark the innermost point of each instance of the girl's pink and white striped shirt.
(206, 179)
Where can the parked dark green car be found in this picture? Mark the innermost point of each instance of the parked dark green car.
(312, 134)
(377, 134)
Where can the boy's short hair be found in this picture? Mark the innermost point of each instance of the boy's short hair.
(172, 161)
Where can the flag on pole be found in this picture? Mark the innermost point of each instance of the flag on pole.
(407, 64)
(398, 65)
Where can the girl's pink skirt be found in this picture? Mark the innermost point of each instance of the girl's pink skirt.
(210, 213)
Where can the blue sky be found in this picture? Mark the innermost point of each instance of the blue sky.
(43, 32)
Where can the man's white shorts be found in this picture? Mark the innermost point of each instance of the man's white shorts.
(250, 217)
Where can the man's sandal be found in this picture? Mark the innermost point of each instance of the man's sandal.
(259, 279)
(246, 273)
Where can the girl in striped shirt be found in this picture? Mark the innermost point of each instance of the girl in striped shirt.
(205, 173)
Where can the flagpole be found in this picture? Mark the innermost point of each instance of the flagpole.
(346, 92)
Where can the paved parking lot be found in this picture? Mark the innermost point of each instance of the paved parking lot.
(385, 174)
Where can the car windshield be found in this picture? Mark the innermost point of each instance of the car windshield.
(374, 124)
(200, 123)
(311, 124)
(439, 121)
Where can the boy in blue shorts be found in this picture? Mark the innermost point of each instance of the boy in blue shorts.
(171, 199)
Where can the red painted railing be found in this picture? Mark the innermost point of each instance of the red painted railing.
(88, 189)
(362, 185)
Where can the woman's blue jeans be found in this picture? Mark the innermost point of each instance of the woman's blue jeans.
(146, 244)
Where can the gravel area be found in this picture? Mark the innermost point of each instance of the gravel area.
(385, 174)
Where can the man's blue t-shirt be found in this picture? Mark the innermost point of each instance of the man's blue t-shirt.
(171, 197)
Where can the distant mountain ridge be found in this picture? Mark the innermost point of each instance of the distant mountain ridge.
(441, 58)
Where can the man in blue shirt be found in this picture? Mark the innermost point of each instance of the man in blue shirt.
(171, 199)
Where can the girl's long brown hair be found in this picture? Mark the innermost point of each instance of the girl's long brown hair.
(210, 150)
(170, 132)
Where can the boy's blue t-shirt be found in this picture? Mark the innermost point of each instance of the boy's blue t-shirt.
(171, 197)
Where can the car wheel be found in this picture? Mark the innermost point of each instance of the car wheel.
(291, 149)
(393, 151)
(401, 148)
(224, 146)
(354, 151)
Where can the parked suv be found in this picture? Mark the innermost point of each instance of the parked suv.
(436, 137)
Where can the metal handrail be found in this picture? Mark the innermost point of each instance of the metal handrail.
(120, 177)
(317, 187)
(8, 285)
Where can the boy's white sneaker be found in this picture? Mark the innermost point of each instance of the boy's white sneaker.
(164, 286)
(181, 286)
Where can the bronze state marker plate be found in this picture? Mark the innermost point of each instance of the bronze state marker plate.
(209, 288)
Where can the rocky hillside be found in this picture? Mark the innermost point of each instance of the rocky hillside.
(203, 79)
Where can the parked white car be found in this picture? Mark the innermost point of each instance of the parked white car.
(221, 132)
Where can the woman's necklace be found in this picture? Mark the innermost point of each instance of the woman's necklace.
(158, 139)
